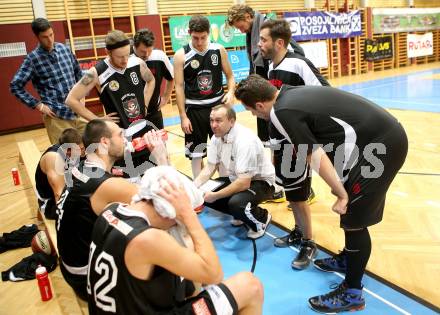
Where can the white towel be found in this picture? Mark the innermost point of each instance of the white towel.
(150, 186)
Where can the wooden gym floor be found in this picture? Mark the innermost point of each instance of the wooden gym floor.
(406, 244)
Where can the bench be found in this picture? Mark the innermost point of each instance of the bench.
(66, 297)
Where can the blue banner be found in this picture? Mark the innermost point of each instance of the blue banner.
(322, 25)
(240, 65)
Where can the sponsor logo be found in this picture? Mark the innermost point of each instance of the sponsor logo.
(356, 188)
(195, 64)
(131, 108)
(113, 85)
(226, 32)
(110, 218)
(204, 82)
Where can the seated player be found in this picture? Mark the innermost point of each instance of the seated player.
(89, 188)
(49, 175)
(137, 267)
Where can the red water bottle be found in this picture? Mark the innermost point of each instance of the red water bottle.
(138, 144)
(43, 283)
(15, 176)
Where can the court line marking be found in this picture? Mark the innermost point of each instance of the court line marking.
(374, 83)
(352, 89)
(397, 308)
(402, 102)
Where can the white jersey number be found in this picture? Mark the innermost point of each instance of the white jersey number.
(105, 266)
(60, 205)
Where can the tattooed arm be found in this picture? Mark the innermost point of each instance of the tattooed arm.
(79, 91)
(148, 77)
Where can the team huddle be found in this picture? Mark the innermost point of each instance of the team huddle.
(129, 238)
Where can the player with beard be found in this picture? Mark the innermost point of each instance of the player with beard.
(288, 67)
(89, 188)
(125, 86)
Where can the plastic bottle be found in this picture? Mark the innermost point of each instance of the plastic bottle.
(138, 144)
(43, 283)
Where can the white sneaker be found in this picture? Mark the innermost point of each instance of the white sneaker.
(237, 223)
(257, 234)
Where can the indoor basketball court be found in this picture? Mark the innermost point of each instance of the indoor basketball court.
(403, 272)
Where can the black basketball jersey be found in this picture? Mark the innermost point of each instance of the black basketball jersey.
(122, 91)
(341, 122)
(44, 190)
(203, 76)
(295, 70)
(161, 67)
(116, 291)
(75, 213)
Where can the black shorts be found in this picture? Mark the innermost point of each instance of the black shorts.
(367, 191)
(215, 300)
(155, 118)
(293, 174)
(77, 282)
(195, 143)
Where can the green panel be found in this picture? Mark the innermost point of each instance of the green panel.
(220, 32)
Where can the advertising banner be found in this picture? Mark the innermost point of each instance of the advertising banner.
(240, 65)
(323, 25)
(405, 20)
(220, 32)
(87, 64)
(419, 45)
(380, 48)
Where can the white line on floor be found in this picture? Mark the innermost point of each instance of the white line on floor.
(365, 289)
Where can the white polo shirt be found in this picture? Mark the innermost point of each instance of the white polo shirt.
(241, 152)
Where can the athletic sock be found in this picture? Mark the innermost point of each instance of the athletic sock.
(358, 250)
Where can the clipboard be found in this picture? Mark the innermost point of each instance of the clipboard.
(210, 185)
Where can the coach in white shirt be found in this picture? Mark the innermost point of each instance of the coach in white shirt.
(247, 173)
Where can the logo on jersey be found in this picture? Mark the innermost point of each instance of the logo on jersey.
(204, 81)
(214, 60)
(195, 64)
(356, 189)
(134, 78)
(132, 109)
(113, 85)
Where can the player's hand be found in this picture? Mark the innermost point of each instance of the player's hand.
(210, 197)
(156, 146)
(43, 108)
(185, 123)
(228, 99)
(113, 117)
(340, 206)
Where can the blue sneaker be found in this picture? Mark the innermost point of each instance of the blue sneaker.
(341, 299)
(336, 263)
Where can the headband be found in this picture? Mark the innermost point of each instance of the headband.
(119, 44)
